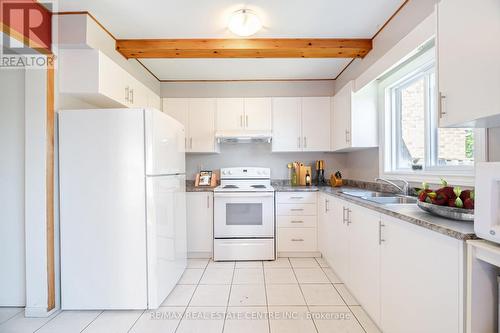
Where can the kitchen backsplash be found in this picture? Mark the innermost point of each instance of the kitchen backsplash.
(260, 155)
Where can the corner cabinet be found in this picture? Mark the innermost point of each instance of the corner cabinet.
(301, 124)
(407, 278)
(244, 114)
(199, 224)
(91, 76)
(354, 120)
(198, 117)
(469, 84)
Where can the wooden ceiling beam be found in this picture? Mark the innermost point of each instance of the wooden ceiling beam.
(244, 48)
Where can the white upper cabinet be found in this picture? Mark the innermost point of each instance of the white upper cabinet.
(240, 114)
(258, 114)
(469, 83)
(198, 117)
(301, 124)
(316, 123)
(93, 77)
(354, 120)
(287, 124)
(230, 114)
(202, 125)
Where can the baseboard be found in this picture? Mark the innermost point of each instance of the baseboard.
(199, 255)
(314, 254)
(39, 312)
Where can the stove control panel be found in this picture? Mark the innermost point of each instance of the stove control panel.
(245, 173)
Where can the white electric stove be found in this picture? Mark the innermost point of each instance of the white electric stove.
(244, 226)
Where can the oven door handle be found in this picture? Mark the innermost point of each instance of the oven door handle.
(244, 195)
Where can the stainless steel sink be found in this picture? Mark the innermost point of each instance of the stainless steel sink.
(382, 198)
(393, 200)
(367, 194)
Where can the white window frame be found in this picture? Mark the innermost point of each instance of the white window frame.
(460, 175)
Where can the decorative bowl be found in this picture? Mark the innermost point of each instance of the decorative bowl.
(452, 213)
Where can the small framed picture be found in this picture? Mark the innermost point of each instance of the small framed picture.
(205, 178)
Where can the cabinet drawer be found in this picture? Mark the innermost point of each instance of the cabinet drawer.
(307, 221)
(296, 197)
(297, 239)
(297, 209)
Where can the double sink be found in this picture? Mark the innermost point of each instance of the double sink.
(381, 197)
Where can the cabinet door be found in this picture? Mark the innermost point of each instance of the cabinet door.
(199, 222)
(178, 108)
(420, 279)
(316, 124)
(323, 206)
(286, 124)
(341, 124)
(258, 114)
(364, 259)
(465, 25)
(230, 114)
(338, 243)
(138, 94)
(113, 80)
(201, 125)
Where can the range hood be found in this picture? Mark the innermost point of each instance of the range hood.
(243, 136)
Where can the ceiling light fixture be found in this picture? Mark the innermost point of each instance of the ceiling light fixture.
(244, 23)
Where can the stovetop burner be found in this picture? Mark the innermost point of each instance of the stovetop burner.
(258, 186)
(230, 186)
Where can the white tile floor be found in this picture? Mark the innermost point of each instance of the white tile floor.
(287, 295)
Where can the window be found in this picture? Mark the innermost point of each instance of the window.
(414, 144)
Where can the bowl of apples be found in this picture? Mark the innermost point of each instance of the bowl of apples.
(448, 202)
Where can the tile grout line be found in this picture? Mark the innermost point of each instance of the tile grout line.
(100, 313)
(356, 317)
(348, 306)
(267, 301)
(300, 288)
(135, 321)
(228, 298)
(48, 321)
(14, 315)
(191, 298)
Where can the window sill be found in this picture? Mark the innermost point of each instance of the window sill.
(454, 178)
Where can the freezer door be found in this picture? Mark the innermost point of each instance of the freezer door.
(166, 235)
(165, 148)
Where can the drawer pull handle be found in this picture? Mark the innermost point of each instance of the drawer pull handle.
(297, 209)
(296, 221)
(296, 197)
(297, 240)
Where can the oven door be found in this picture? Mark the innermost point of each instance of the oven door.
(243, 214)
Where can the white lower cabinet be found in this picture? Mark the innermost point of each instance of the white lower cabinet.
(296, 215)
(421, 280)
(199, 220)
(407, 278)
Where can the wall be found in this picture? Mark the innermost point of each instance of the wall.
(413, 13)
(260, 155)
(494, 144)
(12, 272)
(247, 88)
(253, 154)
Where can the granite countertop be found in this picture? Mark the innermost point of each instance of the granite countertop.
(408, 213)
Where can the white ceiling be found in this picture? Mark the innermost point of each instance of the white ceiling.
(244, 69)
(208, 19)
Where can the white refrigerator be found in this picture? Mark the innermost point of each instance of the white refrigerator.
(122, 208)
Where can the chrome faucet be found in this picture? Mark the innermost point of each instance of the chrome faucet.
(404, 190)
